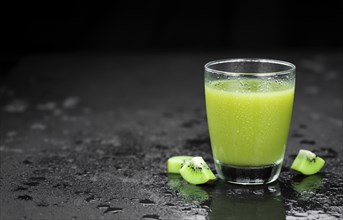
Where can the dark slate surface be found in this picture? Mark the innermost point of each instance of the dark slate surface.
(87, 136)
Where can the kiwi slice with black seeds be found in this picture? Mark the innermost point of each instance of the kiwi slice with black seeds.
(196, 171)
(307, 163)
(175, 163)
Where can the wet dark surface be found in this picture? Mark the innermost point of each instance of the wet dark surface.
(87, 136)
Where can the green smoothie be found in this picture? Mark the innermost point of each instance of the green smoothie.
(249, 120)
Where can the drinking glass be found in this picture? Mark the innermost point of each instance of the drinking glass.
(249, 105)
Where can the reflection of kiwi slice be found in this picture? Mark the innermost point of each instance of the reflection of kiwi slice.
(193, 193)
(174, 181)
(175, 163)
(307, 184)
(307, 163)
(196, 171)
(188, 192)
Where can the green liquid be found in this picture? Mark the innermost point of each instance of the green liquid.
(249, 120)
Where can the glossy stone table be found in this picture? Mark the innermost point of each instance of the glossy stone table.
(87, 136)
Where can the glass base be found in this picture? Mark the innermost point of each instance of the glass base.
(248, 175)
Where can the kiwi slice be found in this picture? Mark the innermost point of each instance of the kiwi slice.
(175, 163)
(307, 163)
(196, 171)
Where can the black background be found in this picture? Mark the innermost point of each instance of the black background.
(32, 27)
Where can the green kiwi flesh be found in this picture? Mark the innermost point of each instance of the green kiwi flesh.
(307, 163)
(196, 171)
(175, 163)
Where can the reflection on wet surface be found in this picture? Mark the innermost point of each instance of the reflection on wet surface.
(293, 198)
(243, 202)
(229, 201)
(187, 191)
(307, 186)
(314, 197)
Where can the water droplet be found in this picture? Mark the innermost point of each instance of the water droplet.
(187, 209)
(302, 126)
(42, 204)
(297, 135)
(113, 210)
(298, 214)
(17, 106)
(46, 106)
(71, 102)
(146, 202)
(310, 142)
(258, 192)
(151, 216)
(272, 189)
(79, 192)
(25, 197)
(26, 161)
(326, 152)
(37, 178)
(15, 150)
(31, 183)
(103, 206)
(20, 188)
(11, 133)
(38, 126)
(90, 199)
(205, 207)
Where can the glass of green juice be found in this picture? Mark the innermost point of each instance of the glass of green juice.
(249, 105)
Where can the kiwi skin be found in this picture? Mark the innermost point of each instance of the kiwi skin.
(307, 163)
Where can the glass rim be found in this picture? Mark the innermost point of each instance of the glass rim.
(291, 66)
